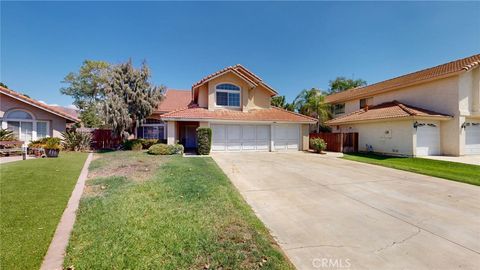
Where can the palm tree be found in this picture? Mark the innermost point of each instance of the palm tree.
(312, 103)
(6, 135)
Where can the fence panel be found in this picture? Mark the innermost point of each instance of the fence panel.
(339, 142)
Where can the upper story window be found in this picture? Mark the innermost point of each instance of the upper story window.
(339, 108)
(227, 95)
(364, 102)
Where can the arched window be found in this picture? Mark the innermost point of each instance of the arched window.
(18, 114)
(228, 95)
(24, 125)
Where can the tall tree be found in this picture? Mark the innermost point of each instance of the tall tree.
(279, 101)
(312, 103)
(130, 97)
(342, 83)
(87, 88)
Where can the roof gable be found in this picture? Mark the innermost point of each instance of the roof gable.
(37, 104)
(434, 73)
(239, 71)
(386, 110)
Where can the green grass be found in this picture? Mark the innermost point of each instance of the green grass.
(183, 213)
(33, 195)
(455, 171)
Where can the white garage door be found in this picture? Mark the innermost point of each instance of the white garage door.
(286, 137)
(428, 140)
(240, 138)
(472, 139)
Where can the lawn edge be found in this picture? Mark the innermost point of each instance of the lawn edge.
(56, 251)
(413, 171)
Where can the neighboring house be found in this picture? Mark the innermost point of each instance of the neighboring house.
(435, 111)
(235, 103)
(30, 119)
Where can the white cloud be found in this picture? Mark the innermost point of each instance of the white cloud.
(71, 106)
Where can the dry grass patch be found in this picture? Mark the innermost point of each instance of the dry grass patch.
(134, 165)
(186, 216)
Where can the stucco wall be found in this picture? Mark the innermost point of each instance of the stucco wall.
(257, 97)
(57, 124)
(305, 131)
(203, 96)
(399, 141)
(172, 132)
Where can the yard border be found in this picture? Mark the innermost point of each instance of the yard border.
(56, 251)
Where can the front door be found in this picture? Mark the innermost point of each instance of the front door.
(190, 136)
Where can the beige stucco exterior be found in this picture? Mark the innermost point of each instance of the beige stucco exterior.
(305, 135)
(56, 124)
(251, 97)
(398, 141)
(458, 96)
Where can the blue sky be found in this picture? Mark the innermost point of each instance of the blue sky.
(291, 45)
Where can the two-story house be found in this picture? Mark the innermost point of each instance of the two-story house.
(435, 111)
(235, 104)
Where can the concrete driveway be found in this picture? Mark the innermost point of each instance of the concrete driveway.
(329, 213)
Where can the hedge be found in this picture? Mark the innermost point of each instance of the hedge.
(204, 140)
(165, 149)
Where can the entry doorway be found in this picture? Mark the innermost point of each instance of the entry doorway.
(190, 136)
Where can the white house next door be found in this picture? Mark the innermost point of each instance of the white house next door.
(472, 139)
(428, 140)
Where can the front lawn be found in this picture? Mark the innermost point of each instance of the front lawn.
(33, 195)
(166, 212)
(444, 169)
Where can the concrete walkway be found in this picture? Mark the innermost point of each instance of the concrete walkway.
(4, 160)
(53, 260)
(330, 213)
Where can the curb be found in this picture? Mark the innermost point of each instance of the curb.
(53, 260)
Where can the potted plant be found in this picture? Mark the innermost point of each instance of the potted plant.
(318, 144)
(52, 147)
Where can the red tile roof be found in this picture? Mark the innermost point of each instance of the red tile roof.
(240, 71)
(174, 100)
(438, 72)
(37, 104)
(272, 114)
(388, 110)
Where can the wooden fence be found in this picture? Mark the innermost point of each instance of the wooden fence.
(339, 142)
(103, 139)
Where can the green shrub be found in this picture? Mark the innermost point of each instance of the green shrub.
(318, 144)
(76, 141)
(146, 143)
(204, 140)
(137, 146)
(127, 145)
(51, 143)
(161, 149)
(178, 148)
(165, 149)
(6, 135)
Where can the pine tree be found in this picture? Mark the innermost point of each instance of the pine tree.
(130, 97)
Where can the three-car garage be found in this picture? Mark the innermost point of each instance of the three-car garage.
(236, 137)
